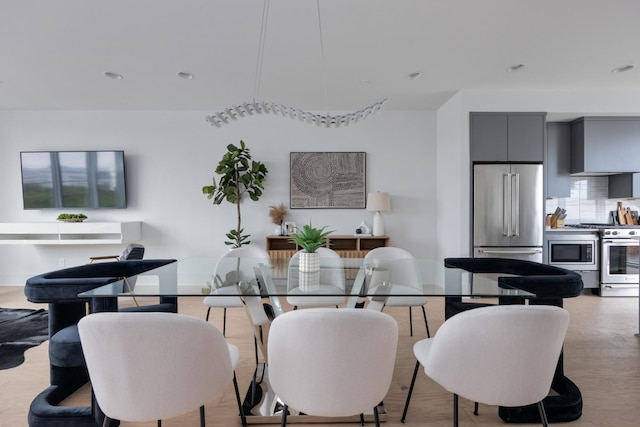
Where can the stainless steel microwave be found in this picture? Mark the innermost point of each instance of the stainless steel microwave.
(574, 251)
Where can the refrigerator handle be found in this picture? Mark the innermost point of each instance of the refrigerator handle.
(515, 205)
(506, 227)
(508, 251)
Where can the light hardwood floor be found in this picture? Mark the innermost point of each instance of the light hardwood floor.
(602, 356)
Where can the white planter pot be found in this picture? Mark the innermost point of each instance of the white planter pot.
(309, 280)
(309, 271)
(309, 262)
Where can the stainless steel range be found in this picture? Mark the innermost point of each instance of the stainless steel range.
(619, 258)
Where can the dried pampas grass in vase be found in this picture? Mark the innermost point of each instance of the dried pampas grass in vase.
(277, 215)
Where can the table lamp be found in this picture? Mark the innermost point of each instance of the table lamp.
(378, 202)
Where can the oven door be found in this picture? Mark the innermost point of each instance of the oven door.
(620, 264)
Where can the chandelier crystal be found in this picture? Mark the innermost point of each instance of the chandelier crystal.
(228, 115)
(246, 109)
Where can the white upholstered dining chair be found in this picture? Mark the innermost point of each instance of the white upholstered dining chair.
(234, 266)
(401, 269)
(154, 366)
(331, 281)
(332, 362)
(499, 355)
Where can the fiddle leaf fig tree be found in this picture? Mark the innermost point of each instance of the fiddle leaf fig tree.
(240, 176)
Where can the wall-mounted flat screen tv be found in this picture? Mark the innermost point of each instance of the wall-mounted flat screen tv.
(73, 179)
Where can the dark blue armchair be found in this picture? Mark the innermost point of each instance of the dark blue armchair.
(68, 371)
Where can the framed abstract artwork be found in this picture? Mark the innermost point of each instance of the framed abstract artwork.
(331, 180)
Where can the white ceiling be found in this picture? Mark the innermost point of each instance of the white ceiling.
(53, 54)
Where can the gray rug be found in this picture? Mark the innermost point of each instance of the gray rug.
(20, 329)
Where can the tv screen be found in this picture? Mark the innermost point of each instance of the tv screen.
(73, 179)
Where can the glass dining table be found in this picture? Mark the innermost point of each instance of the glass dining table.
(198, 277)
(268, 290)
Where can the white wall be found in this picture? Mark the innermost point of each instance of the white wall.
(170, 155)
(451, 178)
(420, 157)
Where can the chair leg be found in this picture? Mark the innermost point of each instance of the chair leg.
(413, 381)
(543, 414)
(283, 420)
(361, 419)
(243, 419)
(475, 408)
(159, 423)
(224, 323)
(375, 416)
(410, 323)
(455, 410)
(426, 323)
(255, 348)
(207, 317)
(202, 421)
(254, 385)
(106, 421)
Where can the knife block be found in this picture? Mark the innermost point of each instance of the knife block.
(557, 223)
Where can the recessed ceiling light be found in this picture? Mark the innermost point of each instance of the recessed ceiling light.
(414, 76)
(515, 68)
(114, 76)
(624, 68)
(185, 75)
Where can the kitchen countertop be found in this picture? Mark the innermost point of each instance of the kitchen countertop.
(571, 230)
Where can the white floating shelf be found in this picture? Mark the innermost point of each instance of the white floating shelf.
(77, 233)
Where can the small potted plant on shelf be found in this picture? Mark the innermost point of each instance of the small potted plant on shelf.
(309, 239)
(277, 215)
(66, 217)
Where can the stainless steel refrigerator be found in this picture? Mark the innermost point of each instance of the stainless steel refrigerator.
(508, 220)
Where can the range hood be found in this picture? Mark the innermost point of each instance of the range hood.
(605, 146)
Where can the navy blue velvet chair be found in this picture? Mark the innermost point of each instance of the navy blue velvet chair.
(551, 285)
(68, 370)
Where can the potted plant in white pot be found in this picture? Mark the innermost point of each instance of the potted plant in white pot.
(309, 239)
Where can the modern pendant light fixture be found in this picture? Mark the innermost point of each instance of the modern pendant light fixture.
(246, 109)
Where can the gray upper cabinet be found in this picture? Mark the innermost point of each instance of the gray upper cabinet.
(558, 160)
(624, 185)
(507, 137)
(605, 145)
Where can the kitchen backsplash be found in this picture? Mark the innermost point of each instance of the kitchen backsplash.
(588, 202)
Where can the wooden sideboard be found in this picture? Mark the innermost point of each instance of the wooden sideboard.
(281, 250)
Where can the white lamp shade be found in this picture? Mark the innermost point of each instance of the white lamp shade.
(378, 201)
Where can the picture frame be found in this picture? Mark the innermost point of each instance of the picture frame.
(328, 180)
(289, 227)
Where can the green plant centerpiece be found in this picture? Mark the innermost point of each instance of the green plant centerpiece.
(240, 176)
(309, 239)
